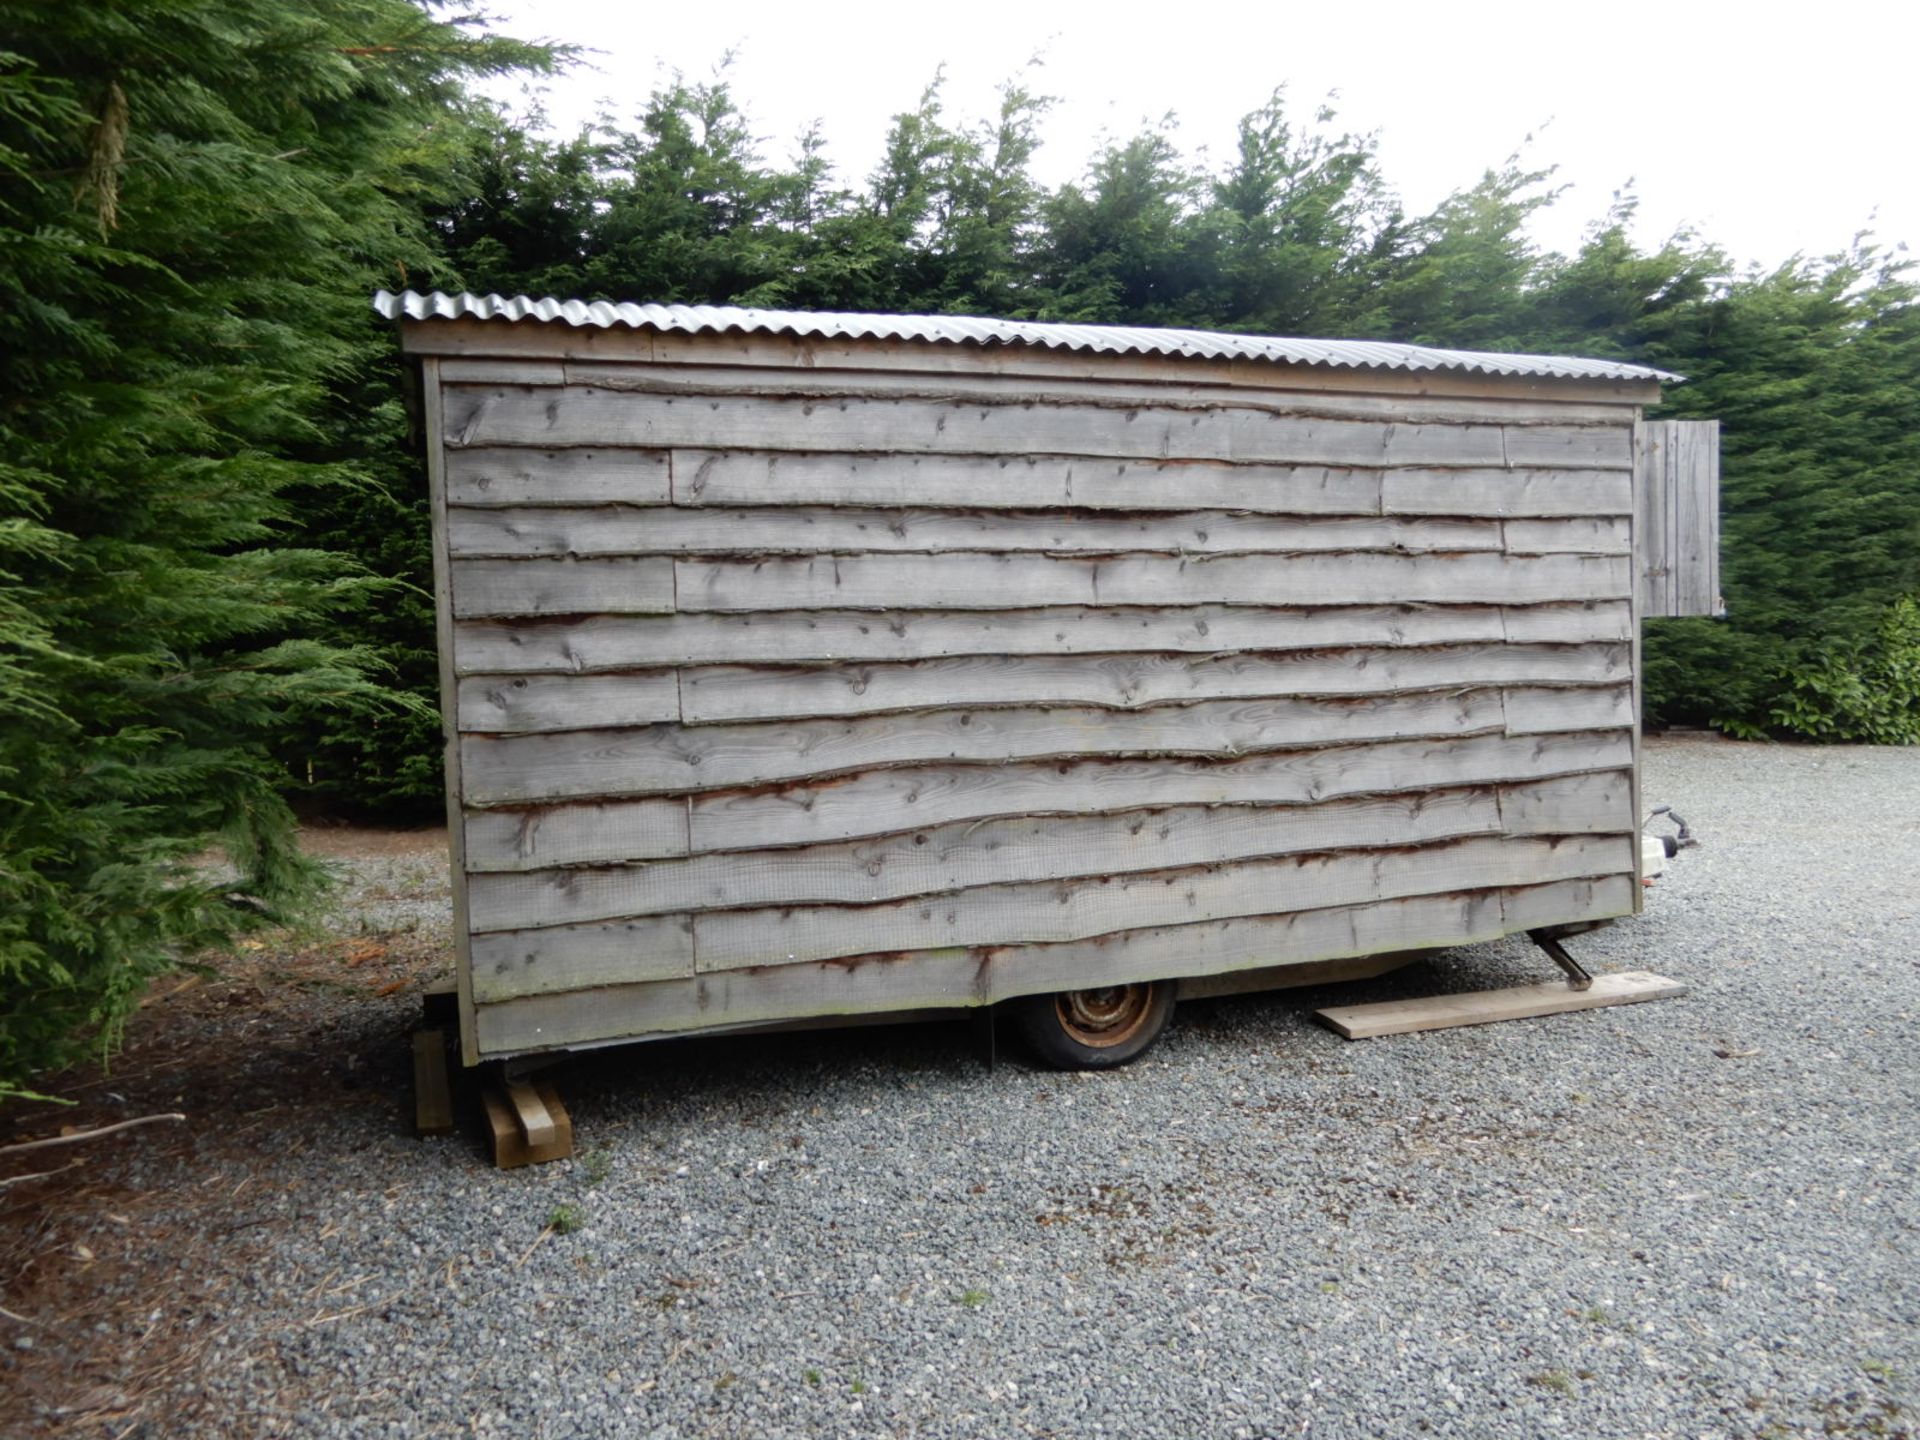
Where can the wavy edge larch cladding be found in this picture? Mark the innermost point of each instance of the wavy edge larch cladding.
(790, 675)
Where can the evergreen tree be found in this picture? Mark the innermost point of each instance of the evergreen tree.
(1129, 246)
(1466, 281)
(1813, 369)
(1306, 228)
(971, 250)
(688, 213)
(194, 196)
(520, 210)
(949, 214)
(1612, 301)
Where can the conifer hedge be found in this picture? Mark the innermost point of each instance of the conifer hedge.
(195, 198)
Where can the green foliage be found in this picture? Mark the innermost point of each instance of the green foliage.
(1306, 229)
(193, 197)
(1814, 370)
(518, 209)
(1467, 278)
(1126, 248)
(1863, 692)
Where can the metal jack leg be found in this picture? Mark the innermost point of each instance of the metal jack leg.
(985, 1037)
(1577, 976)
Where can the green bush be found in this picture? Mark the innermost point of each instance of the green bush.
(1865, 693)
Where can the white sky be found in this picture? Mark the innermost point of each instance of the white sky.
(1769, 128)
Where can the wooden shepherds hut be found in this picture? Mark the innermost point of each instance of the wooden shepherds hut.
(800, 666)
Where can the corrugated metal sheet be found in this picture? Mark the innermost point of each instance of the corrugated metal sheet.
(964, 330)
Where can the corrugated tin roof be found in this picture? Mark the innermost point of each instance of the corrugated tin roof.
(965, 330)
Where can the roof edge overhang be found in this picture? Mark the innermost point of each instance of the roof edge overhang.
(437, 323)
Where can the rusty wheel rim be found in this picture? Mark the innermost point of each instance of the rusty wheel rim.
(1101, 1019)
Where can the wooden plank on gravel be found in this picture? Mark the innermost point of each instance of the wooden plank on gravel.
(530, 1112)
(1483, 1007)
(432, 1094)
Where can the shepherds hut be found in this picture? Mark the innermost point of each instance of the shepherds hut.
(807, 666)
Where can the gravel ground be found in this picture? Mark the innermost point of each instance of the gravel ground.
(1695, 1218)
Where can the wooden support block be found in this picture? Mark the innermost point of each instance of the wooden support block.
(535, 1121)
(1522, 1002)
(432, 1094)
(512, 1140)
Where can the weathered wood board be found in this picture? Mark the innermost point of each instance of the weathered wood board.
(526, 1124)
(586, 416)
(1486, 1007)
(1081, 843)
(918, 798)
(820, 530)
(432, 1091)
(594, 764)
(1677, 516)
(579, 646)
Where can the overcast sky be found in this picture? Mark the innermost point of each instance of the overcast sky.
(1770, 129)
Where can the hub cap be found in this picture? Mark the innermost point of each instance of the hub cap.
(1100, 1019)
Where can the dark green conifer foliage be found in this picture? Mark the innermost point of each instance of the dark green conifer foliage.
(194, 195)
(519, 209)
(1814, 371)
(1306, 226)
(1125, 247)
(1468, 276)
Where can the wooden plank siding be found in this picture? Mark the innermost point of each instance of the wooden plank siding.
(882, 984)
(1677, 516)
(543, 961)
(669, 759)
(443, 610)
(780, 692)
(821, 530)
(652, 585)
(581, 416)
(911, 798)
(508, 477)
(584, 645)
(935, 859)
(714, 694)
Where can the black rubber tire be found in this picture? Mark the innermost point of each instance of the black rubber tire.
(1064, 1031)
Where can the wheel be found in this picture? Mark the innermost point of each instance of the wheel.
(1094, 1029)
